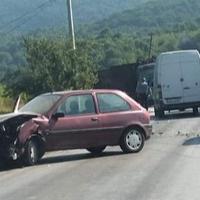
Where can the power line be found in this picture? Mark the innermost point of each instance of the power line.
(23, 19)
(21, 23)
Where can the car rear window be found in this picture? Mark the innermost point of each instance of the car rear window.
(111, 103)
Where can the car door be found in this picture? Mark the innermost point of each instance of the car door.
(78, 127)
(113, 114)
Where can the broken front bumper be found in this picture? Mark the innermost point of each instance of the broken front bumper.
(8, 151)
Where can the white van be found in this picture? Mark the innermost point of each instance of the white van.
(177, 81)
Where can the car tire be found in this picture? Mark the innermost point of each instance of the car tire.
(31, 155)
(96, 150)
(132, 141)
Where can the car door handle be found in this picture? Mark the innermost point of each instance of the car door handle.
(94, 119)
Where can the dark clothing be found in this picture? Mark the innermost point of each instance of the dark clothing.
(142, 92)
(142, 88)
(143, 100)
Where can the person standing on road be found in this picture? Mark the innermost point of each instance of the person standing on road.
(142, 92)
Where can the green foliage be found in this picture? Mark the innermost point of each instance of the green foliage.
(53, 13)
(52, 66)
(154, 15)
(11, 54)
(44, 62)
(6, 103)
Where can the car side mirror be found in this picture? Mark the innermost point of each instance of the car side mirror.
(58, 115)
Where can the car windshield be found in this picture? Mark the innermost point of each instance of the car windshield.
(40, 104)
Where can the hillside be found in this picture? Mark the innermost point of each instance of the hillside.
(119, 39)
(154, 15)
(38, 14)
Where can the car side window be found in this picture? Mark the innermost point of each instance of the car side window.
(77, 105)
(111, 103)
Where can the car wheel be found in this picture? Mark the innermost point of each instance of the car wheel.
(132, 141)
(31, 155)
(96, 150)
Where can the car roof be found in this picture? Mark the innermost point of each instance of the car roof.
(82, 91)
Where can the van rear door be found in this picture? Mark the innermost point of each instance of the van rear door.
(190, 66)
(170, 77)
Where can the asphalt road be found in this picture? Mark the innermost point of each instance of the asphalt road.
(168, 168)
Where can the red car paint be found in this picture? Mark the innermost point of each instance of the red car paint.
(111, 113)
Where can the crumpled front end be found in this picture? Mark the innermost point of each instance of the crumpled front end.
(10, 147)
(16, 130)
(7, 144)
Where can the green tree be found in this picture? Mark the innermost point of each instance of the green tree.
(52, 66)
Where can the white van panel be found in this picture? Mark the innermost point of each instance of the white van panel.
(170, 75)
(190, 66)
(177, 73)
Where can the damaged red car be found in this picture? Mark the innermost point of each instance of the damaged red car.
(85, 119)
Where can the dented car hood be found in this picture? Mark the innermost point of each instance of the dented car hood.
(5, 117)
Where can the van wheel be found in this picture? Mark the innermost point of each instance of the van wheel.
(159, 113)
(132, 141)
(31, 155)
(195, 110)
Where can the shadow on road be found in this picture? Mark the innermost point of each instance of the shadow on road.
(192, 141)
(61, 159)
(10, 166)
(76, 157)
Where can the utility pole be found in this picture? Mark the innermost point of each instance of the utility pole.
(71, 23)
(150, 44)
